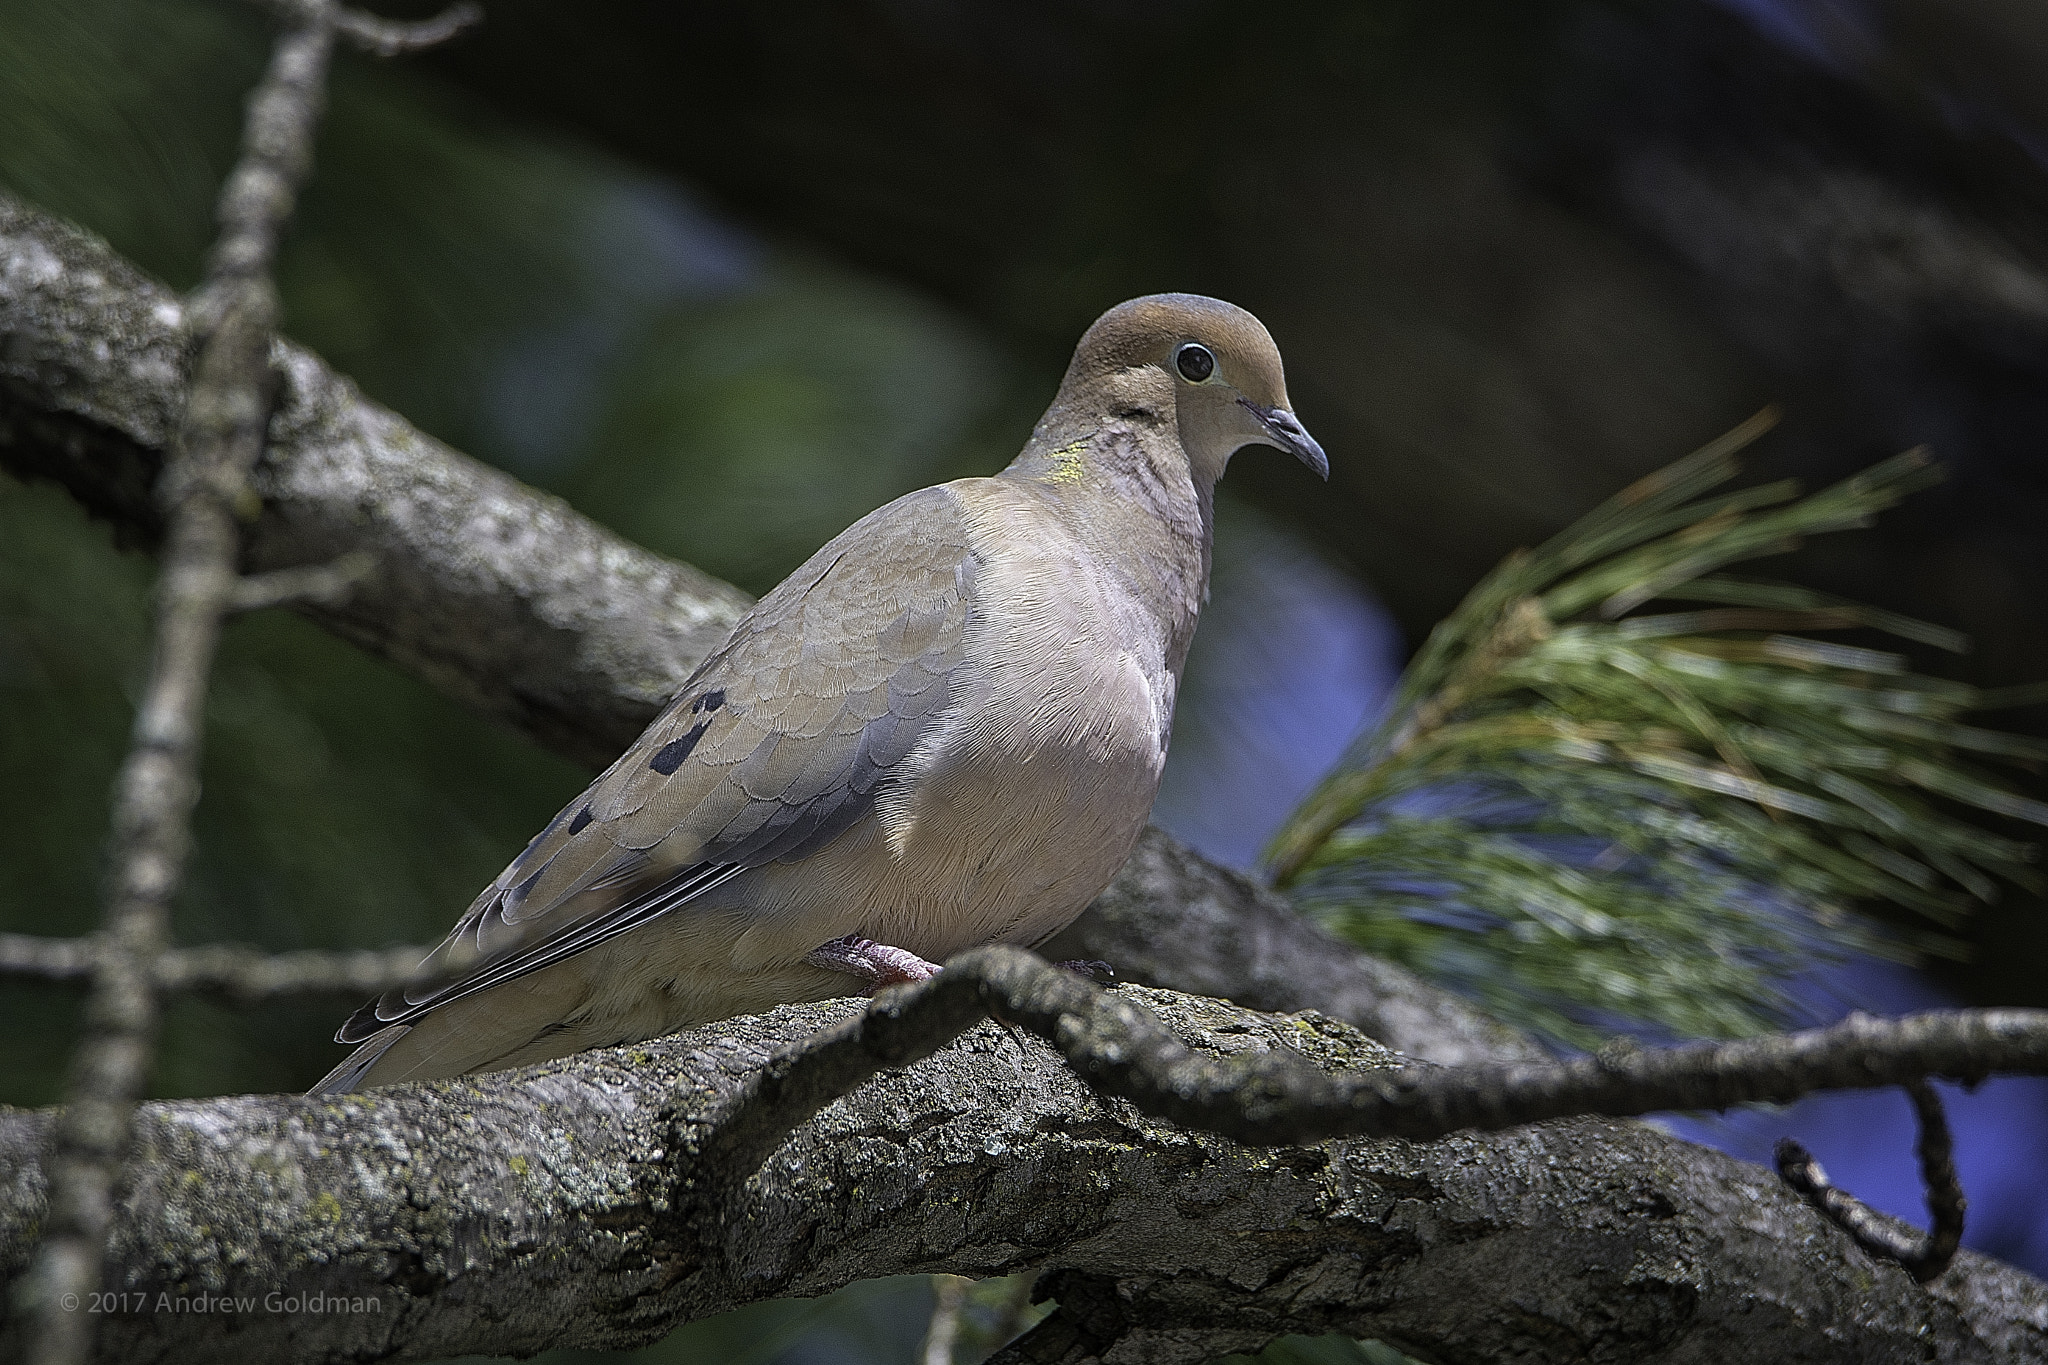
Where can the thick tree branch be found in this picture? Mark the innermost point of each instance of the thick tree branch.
(591, 1201)
(500, 596)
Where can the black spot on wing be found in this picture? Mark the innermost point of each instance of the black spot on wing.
(710, 701)
(506, 913)
(673, 753)
(582, 820)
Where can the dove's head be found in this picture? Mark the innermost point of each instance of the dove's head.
(1208, 363)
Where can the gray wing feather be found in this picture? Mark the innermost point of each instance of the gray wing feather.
(777, 745)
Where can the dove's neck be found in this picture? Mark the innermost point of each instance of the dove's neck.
(1117, 478)
(1121, 432)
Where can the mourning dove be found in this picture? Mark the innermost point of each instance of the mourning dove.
(944, 730)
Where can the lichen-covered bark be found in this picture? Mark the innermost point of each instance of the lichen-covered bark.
(1172, 918)
(568, 1203)
(500, 595)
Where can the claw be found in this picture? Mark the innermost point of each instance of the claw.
(873, 962)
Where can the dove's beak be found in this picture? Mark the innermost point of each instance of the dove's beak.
(1291, 436)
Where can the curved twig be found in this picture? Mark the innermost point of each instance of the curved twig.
(393, 38)
(1923, 1257)
(1273, 1097)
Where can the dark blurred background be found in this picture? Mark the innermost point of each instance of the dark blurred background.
(728, 276)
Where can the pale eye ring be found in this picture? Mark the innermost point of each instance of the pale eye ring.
(1195, 362)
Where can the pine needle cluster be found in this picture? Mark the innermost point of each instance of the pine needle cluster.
(1590, 810)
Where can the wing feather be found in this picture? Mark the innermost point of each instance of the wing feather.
(774, 747)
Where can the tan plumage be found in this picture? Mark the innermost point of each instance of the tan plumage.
(945, 729)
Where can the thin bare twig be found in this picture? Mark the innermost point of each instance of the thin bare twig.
(220, 438)
(1274, 1098)
(53, 959)
(329, 585)
(1923, 1257)
(393, 38)
(239, 973)
(249, 975)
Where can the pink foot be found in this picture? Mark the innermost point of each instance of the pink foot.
(872, 961)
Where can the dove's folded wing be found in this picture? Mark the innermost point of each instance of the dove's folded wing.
(776, 746)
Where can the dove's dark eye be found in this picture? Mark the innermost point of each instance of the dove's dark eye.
(1194, 362)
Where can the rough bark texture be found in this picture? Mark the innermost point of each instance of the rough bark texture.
(566, 1203)
(1172, 918)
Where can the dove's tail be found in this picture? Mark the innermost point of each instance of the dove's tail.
(349, 1075)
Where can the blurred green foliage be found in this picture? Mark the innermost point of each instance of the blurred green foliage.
(744, 433)
(1590, 817)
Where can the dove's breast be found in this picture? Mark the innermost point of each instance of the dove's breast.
(1032, 786)
(1016, 805)
(1036, 789)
